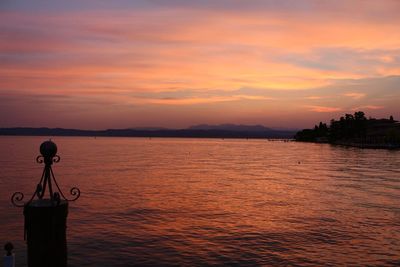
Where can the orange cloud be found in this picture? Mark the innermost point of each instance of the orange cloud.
(369, 107)
(195, 100)
(313, 97)
(355, 95)
(322, 109)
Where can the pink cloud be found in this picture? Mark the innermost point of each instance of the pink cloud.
(355, 95)
(313, 97)
(370, 107)
(322, 109)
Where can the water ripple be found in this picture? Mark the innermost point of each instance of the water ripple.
(190, 202)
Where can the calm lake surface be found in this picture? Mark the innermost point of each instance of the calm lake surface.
(213, 202)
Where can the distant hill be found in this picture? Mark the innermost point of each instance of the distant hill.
(231, 127)
(199, 131)
(148, 128)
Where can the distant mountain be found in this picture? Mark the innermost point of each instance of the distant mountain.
(149, 128)
(222, 131)
(231, 127)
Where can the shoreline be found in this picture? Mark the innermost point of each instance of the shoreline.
(388, 146)
(164, 133)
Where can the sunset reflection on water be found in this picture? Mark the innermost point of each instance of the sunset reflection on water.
(209, 201)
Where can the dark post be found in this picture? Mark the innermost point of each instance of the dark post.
(9, 259)
(46, 218)
(45, 226)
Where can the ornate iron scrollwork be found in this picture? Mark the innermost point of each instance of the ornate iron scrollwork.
(48, 156)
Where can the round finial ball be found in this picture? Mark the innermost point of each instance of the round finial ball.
(48, 149)
(8, 247)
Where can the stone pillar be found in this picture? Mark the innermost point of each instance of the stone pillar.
(45, 232)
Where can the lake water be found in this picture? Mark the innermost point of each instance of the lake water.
(213, 202)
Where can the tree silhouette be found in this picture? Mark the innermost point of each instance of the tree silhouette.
(352, 128)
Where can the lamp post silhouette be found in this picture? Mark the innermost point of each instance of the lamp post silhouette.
(46, 218)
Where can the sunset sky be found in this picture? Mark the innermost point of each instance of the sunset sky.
(174, 63)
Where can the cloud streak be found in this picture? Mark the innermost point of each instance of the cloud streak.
(354, 95)
(322, 109)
